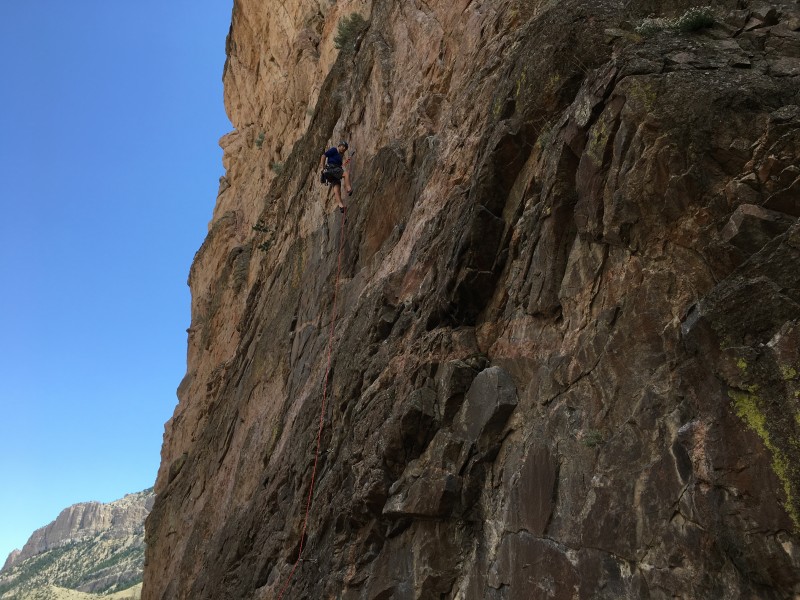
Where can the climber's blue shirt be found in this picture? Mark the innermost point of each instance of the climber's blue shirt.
(333, 157)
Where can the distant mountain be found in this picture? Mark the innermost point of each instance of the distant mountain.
(52, 592)
(91, 548)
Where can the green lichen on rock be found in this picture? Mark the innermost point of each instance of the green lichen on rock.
(553, 83)
(747, 407)
(598, 140)
(641, 95)
(497, 107)
(788, 372)
(521, 83)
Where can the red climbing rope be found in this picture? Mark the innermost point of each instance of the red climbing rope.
(321, 412)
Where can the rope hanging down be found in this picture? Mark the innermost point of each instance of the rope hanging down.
(321, 412)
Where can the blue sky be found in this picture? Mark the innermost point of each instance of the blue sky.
(110, 114)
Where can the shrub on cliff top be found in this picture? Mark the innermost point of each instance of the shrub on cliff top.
(348, 32)
(693, 19)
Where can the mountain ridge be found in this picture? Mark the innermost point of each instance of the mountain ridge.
(90, 547)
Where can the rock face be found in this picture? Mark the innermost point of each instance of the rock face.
(12, 559)
(565, 315)
(90, 547)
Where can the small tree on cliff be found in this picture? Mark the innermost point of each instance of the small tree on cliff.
(349, 32)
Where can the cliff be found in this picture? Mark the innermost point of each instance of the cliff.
(91, 547)
(564, 309)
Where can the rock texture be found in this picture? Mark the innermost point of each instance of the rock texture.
(90, 547)
(567, 333)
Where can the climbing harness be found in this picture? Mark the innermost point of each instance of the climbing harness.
(322, 409)
(332, 173)
(335, 173)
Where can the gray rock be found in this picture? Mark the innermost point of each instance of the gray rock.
(751, 227)
(487, 407)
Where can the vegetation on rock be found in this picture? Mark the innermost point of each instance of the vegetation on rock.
(698, 17)
(348, 32)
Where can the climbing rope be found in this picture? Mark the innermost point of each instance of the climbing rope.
(321, 412)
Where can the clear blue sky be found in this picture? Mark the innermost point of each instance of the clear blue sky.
(110, 114)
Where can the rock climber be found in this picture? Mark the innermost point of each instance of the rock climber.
(332, 165)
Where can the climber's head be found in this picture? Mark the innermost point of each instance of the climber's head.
(342, 147)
